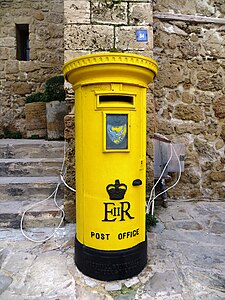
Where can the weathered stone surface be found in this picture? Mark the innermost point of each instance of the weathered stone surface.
(38, 15)
(219, 144)
(55, 18)
(3, 255)
(165, 127)
(132, 282)
(12, 67)
(189, 112)
(77, 12)
(5, 282)
(89, 37)
(19, 260)
(187, 97)
(70, 54)
(41, 266)
(36, 123)
(166, 282)
(210, 83)
(69, 126)
(70, 206)
(21, 88)
(115, 286)
(29, 66)
(4, 53)
(218, 227)
(222, 134)
(219, 107)
(7, 42)
(185, 225)
(205, 149)
(217, 176)
(108, 12)
(55, 113)
(140, 13)
(170, 75)
(186, 127)
(195, 8)
(70, 196)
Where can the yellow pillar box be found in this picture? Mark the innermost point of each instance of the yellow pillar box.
(110, 142)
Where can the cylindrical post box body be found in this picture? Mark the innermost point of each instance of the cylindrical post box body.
(110, 146)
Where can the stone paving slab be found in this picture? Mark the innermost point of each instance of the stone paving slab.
(186, 261)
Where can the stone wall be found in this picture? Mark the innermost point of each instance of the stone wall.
(189, 90)
(96, 26)
(21, 78)
(106, 25)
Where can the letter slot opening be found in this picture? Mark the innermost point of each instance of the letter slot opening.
(115, 101)
(117, 98)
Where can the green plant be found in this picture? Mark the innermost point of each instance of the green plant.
(151, 220)
(54, 89)
(11, 134)
(36, 97)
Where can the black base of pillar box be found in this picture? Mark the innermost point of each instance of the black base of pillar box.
(110, 265)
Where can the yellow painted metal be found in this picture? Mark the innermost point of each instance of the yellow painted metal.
(110, 87)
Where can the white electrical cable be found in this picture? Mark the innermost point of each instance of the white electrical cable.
(38, 203)
(153, 189)
(54, 193)
(178, 179)
(160, 177)
(153, 204)
(61, 173)
(69, 187)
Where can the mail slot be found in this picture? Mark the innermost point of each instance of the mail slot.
(110, 146)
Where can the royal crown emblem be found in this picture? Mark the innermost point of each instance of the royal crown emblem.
(116, 191)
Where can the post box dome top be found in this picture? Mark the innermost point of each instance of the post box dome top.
(110, 66)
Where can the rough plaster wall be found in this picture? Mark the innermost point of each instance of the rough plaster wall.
(93, 26)
(21, 78)
(189, 92)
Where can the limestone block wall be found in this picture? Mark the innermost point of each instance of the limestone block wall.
(189, 90)
(96, 26)
(20, 78)
(106, 25)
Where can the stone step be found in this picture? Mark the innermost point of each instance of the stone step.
(41, 215)
(26, 188)
(30, 166)
(29, 173)
(26, 148)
